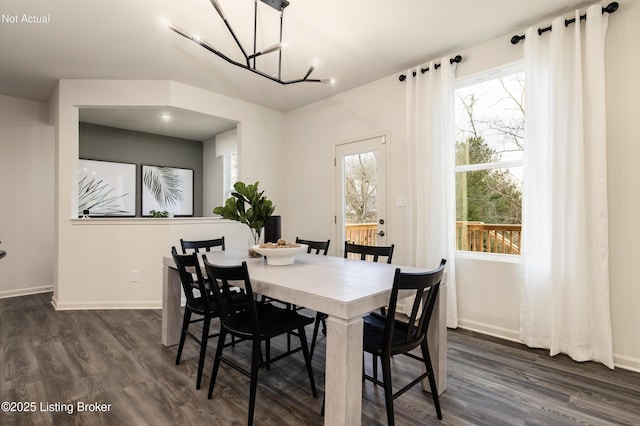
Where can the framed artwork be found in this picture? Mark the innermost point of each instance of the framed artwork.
(167, 189)
(106, 188)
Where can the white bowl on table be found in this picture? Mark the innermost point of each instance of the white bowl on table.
(280, 256)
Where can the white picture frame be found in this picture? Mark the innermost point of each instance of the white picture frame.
(167, 189)
(106, 189)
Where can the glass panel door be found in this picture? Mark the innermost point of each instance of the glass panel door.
(361, 193)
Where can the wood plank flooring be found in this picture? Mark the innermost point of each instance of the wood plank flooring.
(116, 358)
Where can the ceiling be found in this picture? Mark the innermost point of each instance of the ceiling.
(353, 41)
(174, 122)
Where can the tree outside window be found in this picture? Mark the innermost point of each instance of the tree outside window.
(361, 183)
(489, 163)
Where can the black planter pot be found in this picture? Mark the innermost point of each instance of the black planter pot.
(272, 229)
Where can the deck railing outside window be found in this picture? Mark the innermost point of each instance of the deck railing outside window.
(362, 233)
(488, 237)
(470, 236)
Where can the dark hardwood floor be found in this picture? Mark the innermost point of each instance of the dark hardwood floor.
(115, 358)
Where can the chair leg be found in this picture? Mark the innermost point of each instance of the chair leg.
(432, 378)
(316, 327)
(203, 349)
(267, 353)
(216, 362)
(255, 363)
(183, 335)
(375, 366)
(307, 359)
(388, 388)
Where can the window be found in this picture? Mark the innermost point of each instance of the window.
(230, 167)
(489, 162)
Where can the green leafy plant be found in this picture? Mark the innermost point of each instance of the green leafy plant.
(154, 213)
(247, 205)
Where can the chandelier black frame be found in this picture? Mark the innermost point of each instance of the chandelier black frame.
(250, 59)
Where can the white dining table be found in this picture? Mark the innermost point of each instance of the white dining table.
(344, 289)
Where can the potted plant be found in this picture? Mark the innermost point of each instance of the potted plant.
(158, 213)
(247, 205)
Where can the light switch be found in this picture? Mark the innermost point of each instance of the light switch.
(401, 201)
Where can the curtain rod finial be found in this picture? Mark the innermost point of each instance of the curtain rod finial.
(516, 39)
(611, 7)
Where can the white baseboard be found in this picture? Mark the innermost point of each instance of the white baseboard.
(626, 363)
(25, 291)
(619, 361)
(491, 330)
(77, 306)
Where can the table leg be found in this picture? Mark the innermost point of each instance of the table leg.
(171, 311)
(343, 384)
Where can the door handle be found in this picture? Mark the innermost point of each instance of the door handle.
(381, 233)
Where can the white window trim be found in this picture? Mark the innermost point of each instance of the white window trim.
(489, 257)
(480, 77)
(489, 166)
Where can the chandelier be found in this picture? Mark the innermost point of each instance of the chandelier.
(250, 58)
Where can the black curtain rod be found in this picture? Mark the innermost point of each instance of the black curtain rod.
(456, 59)
(611, 7)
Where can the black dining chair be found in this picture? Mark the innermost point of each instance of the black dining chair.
(373, 253)
(385, 336)
(260, 322)
(368, 252)
(198, 302)
(196, 245)
(318, 247)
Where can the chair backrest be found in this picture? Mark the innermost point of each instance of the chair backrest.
(364, 251)
(424, 286)
(223, 279)
(188, 265)
(318, 246)
(201, 244)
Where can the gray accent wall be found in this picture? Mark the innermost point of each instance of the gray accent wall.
(126, 146)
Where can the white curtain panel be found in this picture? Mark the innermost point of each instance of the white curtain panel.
(565, 254)
(430, 149)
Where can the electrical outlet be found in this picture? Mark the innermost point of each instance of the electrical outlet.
(401, 201)
(135, 276)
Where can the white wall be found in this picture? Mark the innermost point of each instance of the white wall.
(313, 131)
(212, 174)
(26, 197)
(95, 257)
(488, 291)
(213, 151)
(623, 152)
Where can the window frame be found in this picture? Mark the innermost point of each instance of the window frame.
(470, 80)
(227, 179)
